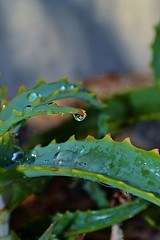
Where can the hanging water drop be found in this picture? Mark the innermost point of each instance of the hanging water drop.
(79, 117)
(32, 96)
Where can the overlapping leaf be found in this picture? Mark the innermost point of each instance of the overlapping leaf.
(120, 165)
(40, 100)
(71, 224)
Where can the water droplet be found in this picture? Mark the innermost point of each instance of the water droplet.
(52, 104)
(46, 161)
(71, 87)
(34, 154)
(28, 108)
(32, 96)
(64, 157)
(49, 112)
(3, 106)
(62, 88)
(82, 151)
(79, 117)
(17, 156)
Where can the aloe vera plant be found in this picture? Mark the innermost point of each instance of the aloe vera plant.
(98, 158)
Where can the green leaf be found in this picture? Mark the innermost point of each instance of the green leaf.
(12, 236)
(29, 112)
(155, 63)
(7, 148)
(48, 232)
(99, 195)
(120, 165)
(22, 189)
(133, 107)
(40, 100)
(123, 110)
(7, 177)
(89, 221)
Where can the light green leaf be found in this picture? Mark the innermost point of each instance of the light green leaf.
(40, 100)
(89, 221)
(120, 165)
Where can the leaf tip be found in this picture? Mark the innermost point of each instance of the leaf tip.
(155, 151)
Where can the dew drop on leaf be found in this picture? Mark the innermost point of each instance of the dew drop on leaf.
(34, 154)
(71, 87)
(64, 157)
(49, 112)
(17, 156)
(32, 96)
(3, 106)
(62, 88)
(28, 108)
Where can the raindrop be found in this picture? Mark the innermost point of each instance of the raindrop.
(34, 154)
(17, 156)
(52, 104)
(28, 108)
(82, 151)
(79, 117)
(3, 106)
(62, 88)
(71, 87)
(49, 112)
(64, 157)
(32, 96)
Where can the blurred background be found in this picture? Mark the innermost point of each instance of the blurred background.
(76, 38)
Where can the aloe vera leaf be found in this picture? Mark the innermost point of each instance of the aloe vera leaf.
(49, 231)
(123, 109)
(22, 189)
(29, 112)
(99, 196)
(89, 221)
(44, 93)
(134, 106)
(155, 62)
(120, 165)
(7, 148)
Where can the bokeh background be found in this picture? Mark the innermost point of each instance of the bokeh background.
(76, 38)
